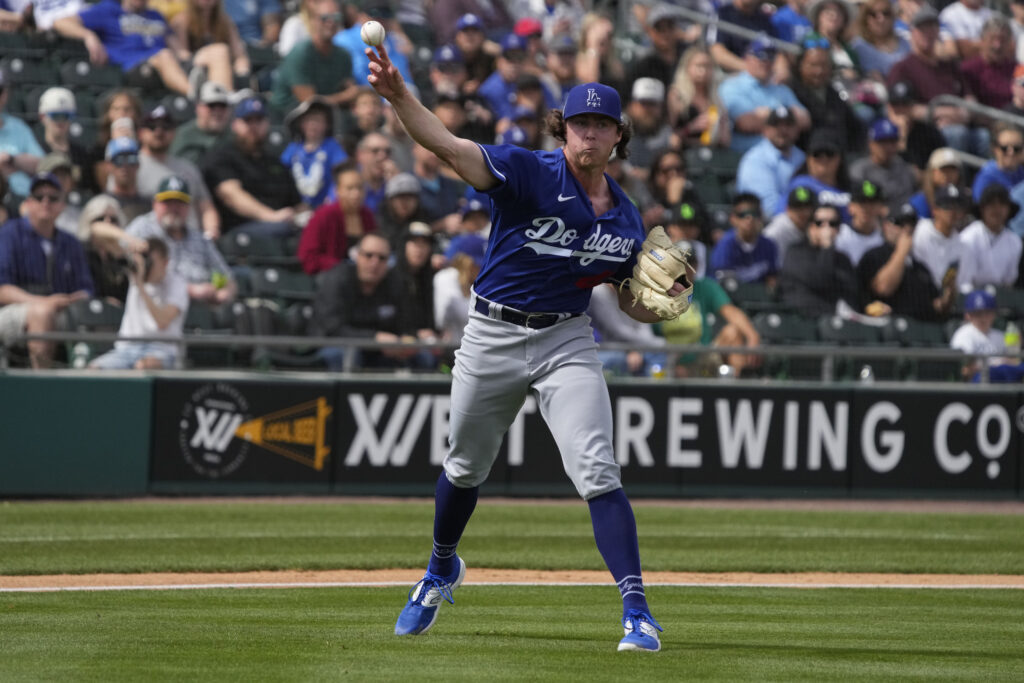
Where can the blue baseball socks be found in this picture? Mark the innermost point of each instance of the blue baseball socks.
(615, 533)
(452, 509)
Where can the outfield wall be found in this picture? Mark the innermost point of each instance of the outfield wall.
(86, 434)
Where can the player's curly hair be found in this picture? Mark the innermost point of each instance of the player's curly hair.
(554, 125)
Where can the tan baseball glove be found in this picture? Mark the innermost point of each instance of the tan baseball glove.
(659, 265)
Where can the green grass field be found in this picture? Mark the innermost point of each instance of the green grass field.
(503, 633)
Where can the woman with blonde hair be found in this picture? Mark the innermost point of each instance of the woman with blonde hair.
(876, 44)
(944, 168)
(100, 230)
(597, 60)
(297, 28)
(694, 107)
(211, 40)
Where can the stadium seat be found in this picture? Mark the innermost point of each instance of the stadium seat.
(721, 163)
(181, 109)
(22, 72)
(21, 45)
(206, 319)
(260, 57)
(833, 329)
(790, 329)
(1010, 302)
(752, 297)
(283, 285)
(83, 131)
(80, 72)
(64, 49)
(269, 319)
(919, 334)
(277, 140)
(710, 189)
(242, 248)
(91, 315)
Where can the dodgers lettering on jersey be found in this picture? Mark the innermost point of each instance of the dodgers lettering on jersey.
(547, 249)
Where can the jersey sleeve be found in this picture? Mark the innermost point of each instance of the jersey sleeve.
(514, 167)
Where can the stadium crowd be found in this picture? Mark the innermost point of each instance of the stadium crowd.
(805, 160)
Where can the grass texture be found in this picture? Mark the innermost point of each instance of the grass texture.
(47, 538)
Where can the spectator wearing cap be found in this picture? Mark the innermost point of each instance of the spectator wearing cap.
(448, 16)
(750, 96)
(531, 93)
(477, 52)
(991, 253)
(766, 168)
(129, 35)
(966, 20)
(877, 45)
(891, 280)
(337, 225)
(416, 274)
(824, 171)
(930, 76)
(513, 136)
(210, 127)
(864, 231)
(258, 21)
(1007, 165)
(978, 336)
(666, 39)
(560, 76)
(790, 21)
(355, 14)
(884, 167)
(465, 256)
(60, 166)
(439, 194)
(989, 74)
(811, 83)
(944, 168)
(19, 151)
(316, 66)
(499, 90)
(598, 61)
(447, 72)
(532, 31)
(815, 275)
(373, 156)
(937, 239)
(42, 269)
(156, 134)
(476, 213)
(906, 10)
(790, 226)
(527, 119)
(729, 50)
(918, 139)
(123, 182)
(686, 221)
(743, 251)
(192, 257)
(253, 192)
(313, 151)
(401, 207)
(651, 132)
(57, 110)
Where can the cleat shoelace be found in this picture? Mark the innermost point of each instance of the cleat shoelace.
(635, 617)
(431, 581)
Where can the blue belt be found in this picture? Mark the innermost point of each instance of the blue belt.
(534, 321)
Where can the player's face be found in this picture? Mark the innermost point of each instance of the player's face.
(590, 138)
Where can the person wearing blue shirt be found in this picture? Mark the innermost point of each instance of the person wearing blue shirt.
(314, 153)
(1005, 167)
(19, 151)
(499, 90)
(42, 269)
(791, 23)
(766, 168)
(824, 172)
(349, 39)
(750, 96)
(727, 49)
(743, 252)
(258, 21)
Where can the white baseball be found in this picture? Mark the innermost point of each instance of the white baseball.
(372, 33)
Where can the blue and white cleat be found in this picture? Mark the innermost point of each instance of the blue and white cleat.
(425, 599)
(641, 632)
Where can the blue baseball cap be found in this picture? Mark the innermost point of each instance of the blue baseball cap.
(513, 136)
(522, 111)
(469, 21)
(593, 98)
(512, 42)
(475, 201)
(250, 106)
(118, 146)
(471, 244)
(979, 300)
(447, 54)
(762, 47)
(883, 129)
(45, 179)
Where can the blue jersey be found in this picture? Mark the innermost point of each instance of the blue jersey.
(547, 249)
(129, 38)
(312, 170)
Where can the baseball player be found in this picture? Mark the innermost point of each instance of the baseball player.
(559, 227)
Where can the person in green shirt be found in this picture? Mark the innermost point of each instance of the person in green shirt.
(316, 66)
(208, 129)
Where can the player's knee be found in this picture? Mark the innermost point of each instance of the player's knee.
(462, 476)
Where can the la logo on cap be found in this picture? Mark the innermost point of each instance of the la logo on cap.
(593, 100)
(175, 184)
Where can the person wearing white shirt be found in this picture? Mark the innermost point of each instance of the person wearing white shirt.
(977, 336)
(964, 20)
(790, 226)
(452, 285)
(991, 252)
(936, 241)
(865, 230)
(612, 325)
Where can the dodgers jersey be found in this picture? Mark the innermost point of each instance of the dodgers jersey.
(547, 249)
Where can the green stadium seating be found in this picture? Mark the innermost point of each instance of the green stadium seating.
(203, 318)
(283, 285)
(752, 297)
(91, 315)
(268, 319)
(21, 45)
(789, 329)
(835, 330)
(244, 249)
(80, 72)
(19, 71)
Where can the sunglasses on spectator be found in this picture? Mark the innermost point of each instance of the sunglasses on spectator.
(125, 160)
(515, 56)
(46, 197)
(333, 16)
(107, 219)
(747, 213)
(827, 222)
(60, 116)
(217, 105)
(379, 150)
(825, 154)
(158, 125)
(374, 255)
(1010, 149)
(880, 14)
(671, 169)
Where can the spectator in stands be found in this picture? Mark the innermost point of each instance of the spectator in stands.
(692, 328)
(123, 183)
(864, 231)
(824, 171)
(527, 120)
(193, 257)
(469, 38)
(129, 35)
(663, 33)
(815, 275)
(398, 45)
(156, 306)
(612, 325)
(416, 274)
(893, 281)
(452, 286)
(743, 252)
(531, 93)
(931, 76)
(447, 72)
(400, 209)
(60, 166)
(989, 74)
(990, 253)
(206, 23)
(122, 106)
(364, 299)
(491, 18)
(944, 168)
(966, 19)
(685, 223)
(918, 139)
(313, 151)
(46, 12)
(598, 60)
(729, 50)
(978, 336)
(499, 90)
(316, 66)
(156, 163)
(876, 43)
(790, 226)
(439, 194)
(906, 10)
(372, 154)
(695, 109)
(101, 233)
(296, 28)
(196, 137)
(651, 132)
(19, 151)
(258, 21)
(367, 116)
(765, 170)
(790, 21)
(57, 109)
(336, 225)
(42, 269)
(1016, 104)
(560, 76)
(1006, 168)
(883, 166)
(750, 96)
(812, 84)
(937, 240)
(253, 192)
(831, 21)
(1017, 26)
(667, 185)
